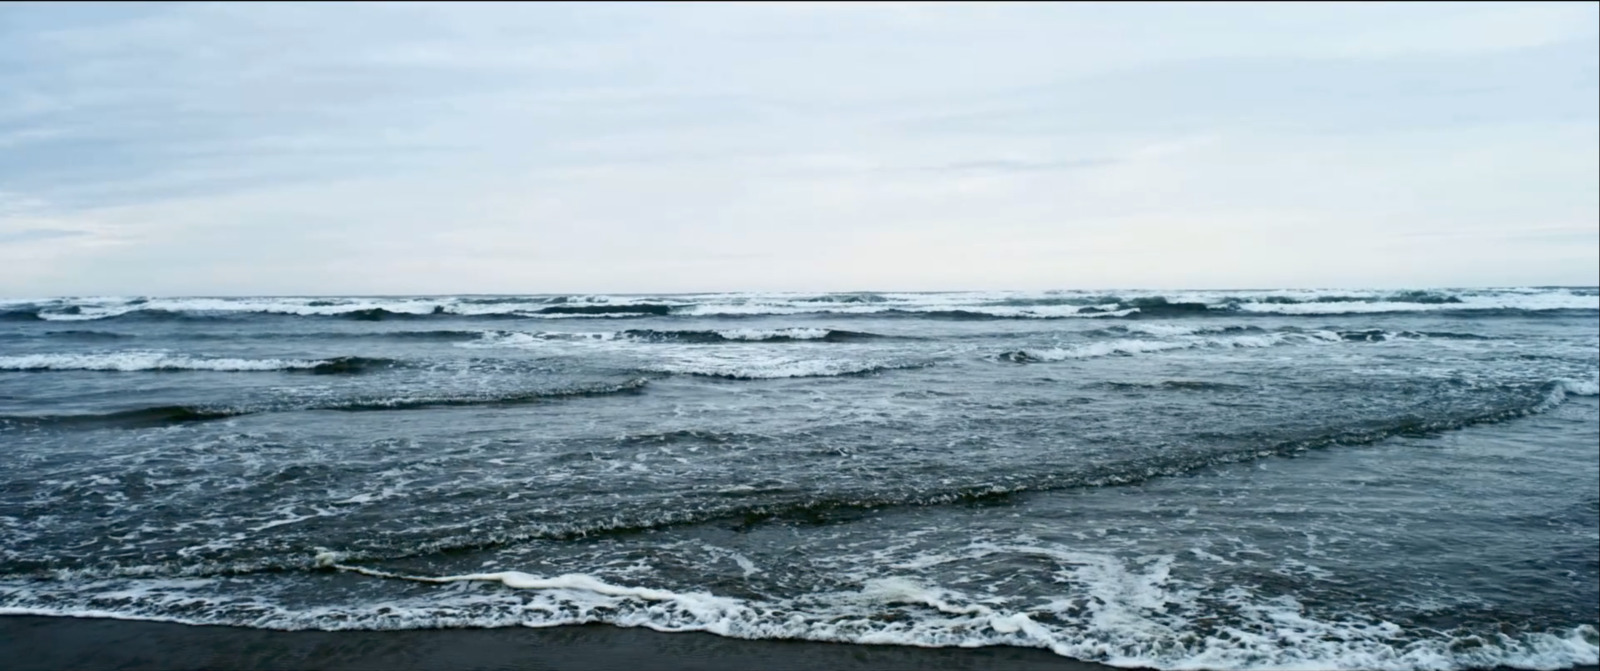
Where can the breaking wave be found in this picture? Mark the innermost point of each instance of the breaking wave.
(1114, 611)
(1129, 347)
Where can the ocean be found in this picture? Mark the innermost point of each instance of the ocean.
(1180, 479)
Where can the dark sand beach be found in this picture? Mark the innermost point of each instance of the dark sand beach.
(85, 644)
(88, 644)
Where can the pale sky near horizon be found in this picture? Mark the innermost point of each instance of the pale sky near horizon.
(170, 149)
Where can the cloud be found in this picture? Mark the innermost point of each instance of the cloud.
(434, 148)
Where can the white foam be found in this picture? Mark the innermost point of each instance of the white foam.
(1125, 347)
(1486, 300)
(770, 369)
(147, 360)
(797, 333)
(1581, 387)
(1122, 612)
(1167, 330)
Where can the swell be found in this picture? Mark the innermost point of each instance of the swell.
(161, 362)
(348, 365)
(171, 415)
(633, 386)
(23, 315)
(837, 507)
(164, 415)
(69, 334)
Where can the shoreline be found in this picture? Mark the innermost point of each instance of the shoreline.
(49, 643)
(35, 642)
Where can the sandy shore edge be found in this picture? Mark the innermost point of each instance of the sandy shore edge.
(29, 643)
(88, 644)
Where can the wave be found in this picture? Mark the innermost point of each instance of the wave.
(634, 309)
(73, 334)
(632, 386)
(690, 337)
(1168, 330)
(158, 361)
(991, 314)
(772, 370)
(1129, 347)
(20, 316)
(1188, 337)
(380, 314)
(1181, 385)
(81, 334)
(1579, 387)
(1113, 611)
(794, 334)
(952, 306)
(168, 415)
(348, 365)
(1380, 335)
(1369, 335)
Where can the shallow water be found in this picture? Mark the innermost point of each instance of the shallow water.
(1252, 479)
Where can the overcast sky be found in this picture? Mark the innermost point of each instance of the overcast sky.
(500, 148)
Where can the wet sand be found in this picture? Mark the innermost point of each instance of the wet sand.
(29, 643)
(80, 644)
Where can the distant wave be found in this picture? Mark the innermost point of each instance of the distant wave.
(1186, 337)
(1128, 347)
(773, 370)
(1179, 385)
(952, 306)
(70, 334)
(147, 361)
(796, 334)
(744, 335)
(635, 309)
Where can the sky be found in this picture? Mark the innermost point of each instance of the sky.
(380, 149)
